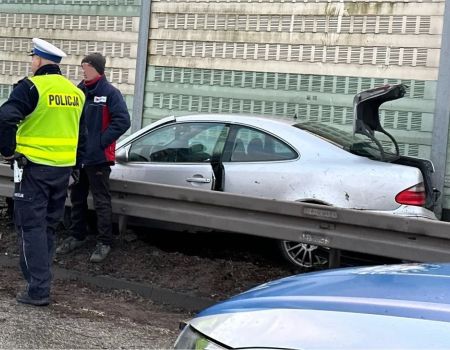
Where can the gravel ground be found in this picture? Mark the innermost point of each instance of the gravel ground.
(82, 317)
(213, 265)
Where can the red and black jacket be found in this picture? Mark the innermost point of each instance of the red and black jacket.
(106, 118)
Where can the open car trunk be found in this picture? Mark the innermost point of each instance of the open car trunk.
(366, 106)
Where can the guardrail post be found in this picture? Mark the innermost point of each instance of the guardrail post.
(123, 224)
(334, 258)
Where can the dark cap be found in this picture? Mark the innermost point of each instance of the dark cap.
(97, 61)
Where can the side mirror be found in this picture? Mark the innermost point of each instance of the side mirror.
(122, 154)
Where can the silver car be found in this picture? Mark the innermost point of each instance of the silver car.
(285, 160)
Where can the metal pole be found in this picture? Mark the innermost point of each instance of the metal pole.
(442, 111)
(141, 65)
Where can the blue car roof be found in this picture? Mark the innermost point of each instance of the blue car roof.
(407, 290)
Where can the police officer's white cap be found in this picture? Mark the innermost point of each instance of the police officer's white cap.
(46, 50)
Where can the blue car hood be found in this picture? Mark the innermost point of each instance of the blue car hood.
(409, 290)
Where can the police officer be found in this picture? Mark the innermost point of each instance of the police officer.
(41, 130)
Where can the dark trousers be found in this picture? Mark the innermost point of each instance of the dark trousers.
(38, 208)
(96, 179)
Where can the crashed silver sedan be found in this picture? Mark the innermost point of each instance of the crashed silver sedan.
(286, 160)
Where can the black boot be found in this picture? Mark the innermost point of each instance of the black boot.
(24, 298)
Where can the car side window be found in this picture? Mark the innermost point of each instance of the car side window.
(178, 143)
(252, 145)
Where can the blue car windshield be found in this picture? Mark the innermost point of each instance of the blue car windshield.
(357, 144)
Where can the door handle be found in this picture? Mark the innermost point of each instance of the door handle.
(198, 180)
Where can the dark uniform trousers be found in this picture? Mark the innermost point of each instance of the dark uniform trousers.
(96, 179)
(38, 208)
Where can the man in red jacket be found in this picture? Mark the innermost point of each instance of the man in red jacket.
(107, 118)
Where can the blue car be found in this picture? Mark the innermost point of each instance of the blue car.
(403, 306)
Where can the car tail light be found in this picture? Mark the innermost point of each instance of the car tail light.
(414, 195)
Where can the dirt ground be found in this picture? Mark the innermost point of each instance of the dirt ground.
(197, 265)
(212, 265)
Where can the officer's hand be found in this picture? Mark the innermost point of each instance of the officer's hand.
(75, 176)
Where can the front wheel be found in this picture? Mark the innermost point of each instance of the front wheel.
(306, 256)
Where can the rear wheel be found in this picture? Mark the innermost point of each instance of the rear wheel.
(306, 256)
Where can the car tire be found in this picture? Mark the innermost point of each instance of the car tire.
(303, 255)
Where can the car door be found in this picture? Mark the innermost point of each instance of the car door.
(257, 163)
(175, 154)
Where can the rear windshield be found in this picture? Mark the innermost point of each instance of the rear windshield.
(356, 144)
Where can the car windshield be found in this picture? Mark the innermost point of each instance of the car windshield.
(356, 144)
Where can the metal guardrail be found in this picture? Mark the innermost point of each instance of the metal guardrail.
(360, 231)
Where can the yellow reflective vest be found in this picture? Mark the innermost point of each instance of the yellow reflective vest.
(49, 135)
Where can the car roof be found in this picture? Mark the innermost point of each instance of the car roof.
(240, 118)
(408, 290)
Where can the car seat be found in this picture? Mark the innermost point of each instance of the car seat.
(255, 149)
(238, 151)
